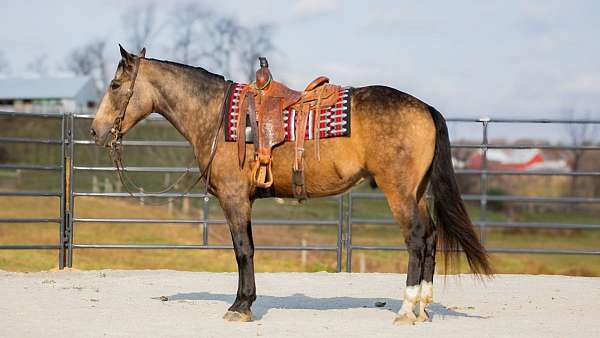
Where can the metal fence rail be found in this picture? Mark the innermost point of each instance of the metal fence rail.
(68, 169)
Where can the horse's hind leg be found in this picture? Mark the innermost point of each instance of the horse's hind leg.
(414, 237)
(428, 262)
(406, 213)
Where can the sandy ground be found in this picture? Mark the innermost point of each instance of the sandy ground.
(127, 303)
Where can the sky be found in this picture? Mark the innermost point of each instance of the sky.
(498, 58)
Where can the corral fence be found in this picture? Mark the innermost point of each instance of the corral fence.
(68, 169)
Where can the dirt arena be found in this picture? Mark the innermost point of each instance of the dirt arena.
(170, 303)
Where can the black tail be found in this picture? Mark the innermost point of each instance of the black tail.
(454, 227)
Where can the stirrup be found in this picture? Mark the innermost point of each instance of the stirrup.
(263, 175)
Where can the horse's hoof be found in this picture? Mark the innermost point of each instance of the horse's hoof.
(234, 316)
(423, 316)
(405, 319)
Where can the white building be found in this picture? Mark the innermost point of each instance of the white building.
(48, 95)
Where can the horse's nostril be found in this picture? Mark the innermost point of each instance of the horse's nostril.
(93, 132)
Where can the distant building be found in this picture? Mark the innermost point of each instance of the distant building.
(77, 94)
(520, 160)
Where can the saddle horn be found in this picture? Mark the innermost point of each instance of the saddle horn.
(263, 62)
(263, 75)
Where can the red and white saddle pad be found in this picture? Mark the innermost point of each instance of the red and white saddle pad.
(334, 120)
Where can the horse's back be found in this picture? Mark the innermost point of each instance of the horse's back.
(391, 131)
(381, 114)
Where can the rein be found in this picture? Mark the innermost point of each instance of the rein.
(116, 146)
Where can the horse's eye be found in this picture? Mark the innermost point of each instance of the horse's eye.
(114, 85)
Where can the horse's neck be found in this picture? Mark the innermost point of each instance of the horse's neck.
(191, 103)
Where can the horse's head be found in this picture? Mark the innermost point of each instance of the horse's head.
(127, 100)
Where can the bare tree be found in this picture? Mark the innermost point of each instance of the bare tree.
(257, 42)
(79, 62)
(188, 25)
(580, 134)
(140, 24)
(39, 65)
(4, 65)
(225, 34)
(90, 60)
(200, 35)
(97, 51)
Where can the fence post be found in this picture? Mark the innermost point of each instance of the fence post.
(340, 233)
(62, 259)
(107, 185)
(69, 210)
(362, 262)
(95, 184)
(349, 235)
(483, 185)
(170, 206)
(205, 210)
(303, 254)
(185, 204)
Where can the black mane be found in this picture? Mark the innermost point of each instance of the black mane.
(188, 67)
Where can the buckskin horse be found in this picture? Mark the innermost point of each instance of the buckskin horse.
(396, 139)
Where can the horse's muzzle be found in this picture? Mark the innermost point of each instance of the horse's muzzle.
(99, 139)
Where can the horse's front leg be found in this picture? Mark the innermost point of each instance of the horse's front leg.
(238, 212)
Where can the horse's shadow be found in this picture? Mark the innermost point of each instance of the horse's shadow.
(300, 301)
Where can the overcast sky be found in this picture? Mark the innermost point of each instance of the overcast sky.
(467, 58)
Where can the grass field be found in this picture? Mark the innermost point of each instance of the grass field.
(223, 260)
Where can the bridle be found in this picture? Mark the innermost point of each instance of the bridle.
(116, 146)
(116, 130)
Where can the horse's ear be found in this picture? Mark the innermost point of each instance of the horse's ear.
(142, 53)
(128, 59)
(124, 53)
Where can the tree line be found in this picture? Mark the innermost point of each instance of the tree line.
(190, 33)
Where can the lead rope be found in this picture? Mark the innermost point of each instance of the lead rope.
(116, 157)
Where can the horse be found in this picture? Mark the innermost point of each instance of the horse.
(398, 140)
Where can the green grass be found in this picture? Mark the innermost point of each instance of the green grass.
(223, 260)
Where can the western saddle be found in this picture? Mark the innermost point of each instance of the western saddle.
(262, 104)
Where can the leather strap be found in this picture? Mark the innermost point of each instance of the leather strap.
(317, 125)
(241, 129)
(298, 186)
(253, 125)
(118, 123)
